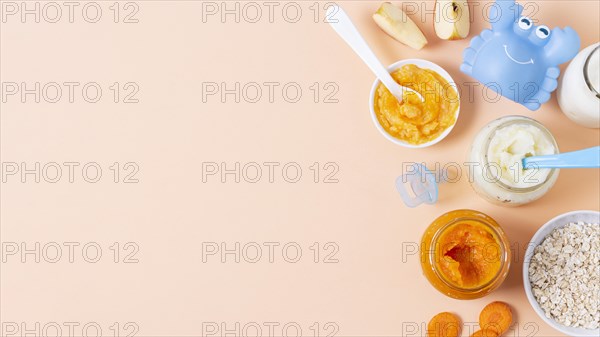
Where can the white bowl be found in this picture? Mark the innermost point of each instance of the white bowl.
(540, 235)
(421, 64)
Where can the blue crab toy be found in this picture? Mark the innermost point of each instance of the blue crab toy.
(518, 59)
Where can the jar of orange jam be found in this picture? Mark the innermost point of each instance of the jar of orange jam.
(465, 254)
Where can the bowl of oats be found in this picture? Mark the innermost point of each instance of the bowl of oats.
(561, 273)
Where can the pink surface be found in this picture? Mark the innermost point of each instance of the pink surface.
(375, 289)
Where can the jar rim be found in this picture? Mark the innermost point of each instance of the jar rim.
(515, 119)
(586, 72)
(498, 235)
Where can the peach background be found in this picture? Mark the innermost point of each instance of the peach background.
(170, 212)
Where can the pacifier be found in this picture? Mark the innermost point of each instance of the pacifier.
(417, 186)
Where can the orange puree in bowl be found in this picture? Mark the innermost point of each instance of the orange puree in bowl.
(413, 121)
(468, 254)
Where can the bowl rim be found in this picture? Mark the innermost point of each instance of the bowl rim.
(537, 237)
(422, 63)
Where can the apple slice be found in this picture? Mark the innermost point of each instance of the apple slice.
(451, 19)
(397, 24)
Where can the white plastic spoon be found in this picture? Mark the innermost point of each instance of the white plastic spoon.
(341, 23)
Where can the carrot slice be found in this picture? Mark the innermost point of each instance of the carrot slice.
(484, 333)
(496, 316)
(444, 324)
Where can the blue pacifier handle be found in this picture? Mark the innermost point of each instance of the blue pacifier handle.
(588, 158)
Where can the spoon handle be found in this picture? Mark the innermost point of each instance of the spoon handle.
(588, 158)
(341, 23)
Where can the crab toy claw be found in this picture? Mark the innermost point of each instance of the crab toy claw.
(563, 45)
(518, 59)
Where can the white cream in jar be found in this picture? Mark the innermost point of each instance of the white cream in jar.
(496, 156)
(509, 145)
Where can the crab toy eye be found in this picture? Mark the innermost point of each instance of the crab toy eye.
(525, 23)
(542, 32)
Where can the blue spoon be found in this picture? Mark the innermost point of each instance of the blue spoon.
(588, 158)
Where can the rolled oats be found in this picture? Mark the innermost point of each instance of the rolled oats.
(564, 273)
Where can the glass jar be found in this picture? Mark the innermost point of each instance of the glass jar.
(487, 173)
(465, 254)
(579, 88)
